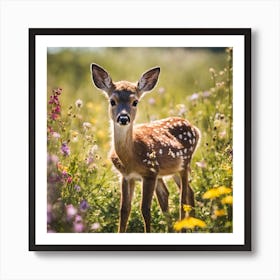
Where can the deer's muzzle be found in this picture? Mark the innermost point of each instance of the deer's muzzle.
(123, 119)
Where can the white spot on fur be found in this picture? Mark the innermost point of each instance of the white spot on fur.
(160, 151)
(180, 136)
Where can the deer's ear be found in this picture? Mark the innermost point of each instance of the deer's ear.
(101, 78)
(148, 80)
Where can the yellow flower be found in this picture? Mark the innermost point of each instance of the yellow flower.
(220, 212)
(227, 199)
(216, 192)
(187, 208)
(189, 223)
(61, 167)
(224, 190)
(210, 194)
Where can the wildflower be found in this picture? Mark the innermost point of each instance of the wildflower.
(69, 179)
(86, 125)
(224, 190)
(79, 103)
(210, 194)
(182, 109)
(212, 70)
(55, 135)
(222, 134)
(74, 135)
(84, 205)
(216, 192)
(206, 93)
(161, 90)
(90, 158)
(77, 188)
(194, 96)
(152, 101)
(227, 199)
(95, 226)
(65, 149)
(62, 168)
(220, 212)
(52, 159)
(189, 223)
(187, 208)
(57, 91)
(78, 219)
(71, 211)
(201, 164)
(78, 225)
(54, 116)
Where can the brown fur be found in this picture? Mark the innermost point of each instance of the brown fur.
(146, 151)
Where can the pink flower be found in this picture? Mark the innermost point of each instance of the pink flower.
(201, 164)
(71, 211)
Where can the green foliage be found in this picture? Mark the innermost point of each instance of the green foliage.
(83, 189)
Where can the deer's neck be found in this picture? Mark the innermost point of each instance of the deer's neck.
(123, 141)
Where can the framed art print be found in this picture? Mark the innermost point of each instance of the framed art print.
(140, 139)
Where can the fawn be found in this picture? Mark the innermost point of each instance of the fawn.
(146, 151)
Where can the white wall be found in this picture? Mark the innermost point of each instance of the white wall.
(16, 262)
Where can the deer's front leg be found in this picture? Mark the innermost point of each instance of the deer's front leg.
(149, 184)
(127, 188)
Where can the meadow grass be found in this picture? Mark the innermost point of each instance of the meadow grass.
(83, 189)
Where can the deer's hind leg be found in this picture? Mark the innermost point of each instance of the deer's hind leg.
(162, 195)
(186, 193)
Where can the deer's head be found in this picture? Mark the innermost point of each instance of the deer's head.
(123, 96)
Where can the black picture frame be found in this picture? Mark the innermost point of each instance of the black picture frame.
(245, 32)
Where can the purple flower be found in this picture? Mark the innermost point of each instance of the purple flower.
(65, 149)
(77, 188)
(78, 219)
(206, 94)
(84, 205)
(194, 96)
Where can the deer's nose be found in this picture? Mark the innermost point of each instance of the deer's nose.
(123, 119)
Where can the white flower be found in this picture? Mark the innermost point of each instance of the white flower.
(79, 103)
(194, 96)
(86, 125)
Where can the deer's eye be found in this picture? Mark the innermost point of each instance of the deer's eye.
(134, 103)
(112, 102)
